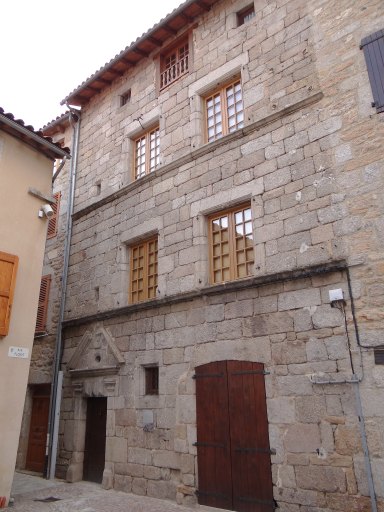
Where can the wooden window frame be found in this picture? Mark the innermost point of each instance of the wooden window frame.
(54, 220)
(7, 294)
(222, 92)
(233, 260)
(149, 291)
(146, 136)
(151, 374)
(245, 14)
(181, 65)
(42, 310)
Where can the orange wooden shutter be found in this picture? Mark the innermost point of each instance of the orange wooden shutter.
(8, 269)
(52, 223)
(43, 304)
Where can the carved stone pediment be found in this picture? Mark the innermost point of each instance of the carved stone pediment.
(96, 355)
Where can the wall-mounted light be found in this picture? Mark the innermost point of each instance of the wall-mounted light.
(46, 210)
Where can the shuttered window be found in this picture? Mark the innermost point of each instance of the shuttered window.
(231, 244)
(143, 261)
(373, 47)
(8, 270)
(53, 221)
(42, 309)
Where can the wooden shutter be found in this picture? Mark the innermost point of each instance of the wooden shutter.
(52, 223)
(373, 47)
(8, 269)
(43, 305)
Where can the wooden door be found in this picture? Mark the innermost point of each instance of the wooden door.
(94, 455)
(38, 430)
(233, 451)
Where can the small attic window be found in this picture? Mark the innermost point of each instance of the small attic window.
(125, 98)
(245, 15)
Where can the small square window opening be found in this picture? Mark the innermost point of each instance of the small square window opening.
(245, 15)
(125, 98)
(151, 380)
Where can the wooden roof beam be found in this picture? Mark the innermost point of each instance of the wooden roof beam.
(186, 17)
(140, 52)
(203, 5)
(155, 41)
(169, 29)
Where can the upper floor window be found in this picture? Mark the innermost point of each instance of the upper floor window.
(373, 47)
(231, 244)
(125, 98)
(53, 221)
(224, 111)
(42, 310)
(174, 64)
(147, 152)
(245, 15)
(143, 263)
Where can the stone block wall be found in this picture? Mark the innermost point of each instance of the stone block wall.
(309, 160)
(289, 326)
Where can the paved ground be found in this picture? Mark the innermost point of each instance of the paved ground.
(28, 491)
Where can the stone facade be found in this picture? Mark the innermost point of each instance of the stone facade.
(309, 161)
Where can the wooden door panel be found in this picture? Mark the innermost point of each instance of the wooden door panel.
(38, 434)
(95, 439)
(251, 467)
(213, 440)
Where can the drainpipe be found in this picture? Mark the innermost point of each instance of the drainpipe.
(54, 406)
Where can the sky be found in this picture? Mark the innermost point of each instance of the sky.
(48, 48)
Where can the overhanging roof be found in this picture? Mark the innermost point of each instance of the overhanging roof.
(27, 134)
(154, 38)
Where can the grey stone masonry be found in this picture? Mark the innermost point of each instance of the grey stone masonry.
(308, 160)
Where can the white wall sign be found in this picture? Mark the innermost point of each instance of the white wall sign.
(19, 352)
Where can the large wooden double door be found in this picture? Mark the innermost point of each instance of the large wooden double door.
(233, 453)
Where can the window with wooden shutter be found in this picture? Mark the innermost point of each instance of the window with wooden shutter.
(143, 261)
(231, 244)
(373, 47)
(8, 269)
(52, 223)
(42, 309)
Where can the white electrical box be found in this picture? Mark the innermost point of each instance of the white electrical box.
(336, 295)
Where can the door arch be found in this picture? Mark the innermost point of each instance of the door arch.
(233, 453)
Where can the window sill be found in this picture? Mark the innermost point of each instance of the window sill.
(193, 154)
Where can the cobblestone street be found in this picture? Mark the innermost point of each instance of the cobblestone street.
(35, 494)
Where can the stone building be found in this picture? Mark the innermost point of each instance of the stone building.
(34, 428)
(223, 323)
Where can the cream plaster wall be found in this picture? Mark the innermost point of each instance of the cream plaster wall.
(22, 233)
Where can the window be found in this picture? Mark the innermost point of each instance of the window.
(151, 380)
(231, 244)
(147, 153)
(53, 221)
(125, 98)
(174, 64)
(8, 270)
(224, 111)
(143, 282)
(245, 15)
(42, 310)
(379, 355)
(373, 47)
